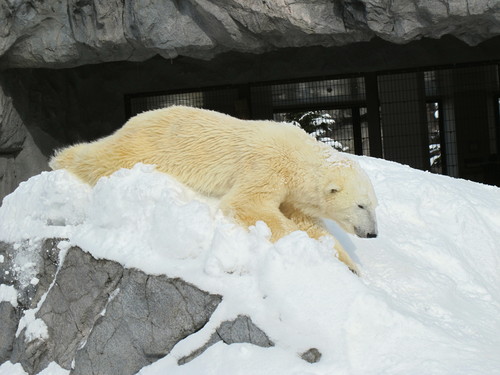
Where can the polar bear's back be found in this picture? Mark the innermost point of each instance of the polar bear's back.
(204, 149)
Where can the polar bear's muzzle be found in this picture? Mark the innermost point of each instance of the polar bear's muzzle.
(366, 226)
(363, 233)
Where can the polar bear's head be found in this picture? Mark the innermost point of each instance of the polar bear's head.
(348, 198)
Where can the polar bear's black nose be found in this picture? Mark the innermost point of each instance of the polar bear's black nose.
(371, 235)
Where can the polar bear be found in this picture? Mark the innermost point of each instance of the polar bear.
(260, 170)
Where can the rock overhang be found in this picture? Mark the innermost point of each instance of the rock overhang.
(61, 34)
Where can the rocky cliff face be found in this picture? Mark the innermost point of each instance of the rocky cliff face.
(96, 317)
(66, 33)
(20, 158)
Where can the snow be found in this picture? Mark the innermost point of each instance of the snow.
(8, 294)
(12, 369)
(35, 328)
(16, 369)
(427, 301)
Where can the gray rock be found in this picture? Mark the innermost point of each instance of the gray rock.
(312, 355)
(142, 323)
(100, 317)
(12, 130)
(9, 320)
(70, 33)
(44, 31)
(46, 271)
(148, 29)
(20, 158)
(80, 292)
(240, 330)
(99, 29)
(7, 251)
(24, 264)
(44, 265)
(19, 166)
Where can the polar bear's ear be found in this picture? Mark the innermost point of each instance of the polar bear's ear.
(333, 188)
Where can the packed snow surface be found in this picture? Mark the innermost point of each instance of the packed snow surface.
(427, 301)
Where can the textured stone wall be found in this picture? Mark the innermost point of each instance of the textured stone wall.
(62, 33)
(100, 317)
(20, 158)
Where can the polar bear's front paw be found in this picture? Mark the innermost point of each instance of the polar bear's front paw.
(344, 258)
(354, 271)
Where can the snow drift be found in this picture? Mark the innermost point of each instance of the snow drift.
(428, 301)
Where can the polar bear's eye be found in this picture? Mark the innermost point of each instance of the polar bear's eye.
(361, 206)
(332, 188)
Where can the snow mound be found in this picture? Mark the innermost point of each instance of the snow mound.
(428, 301)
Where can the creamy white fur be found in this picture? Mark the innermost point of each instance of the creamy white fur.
(261, 170)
